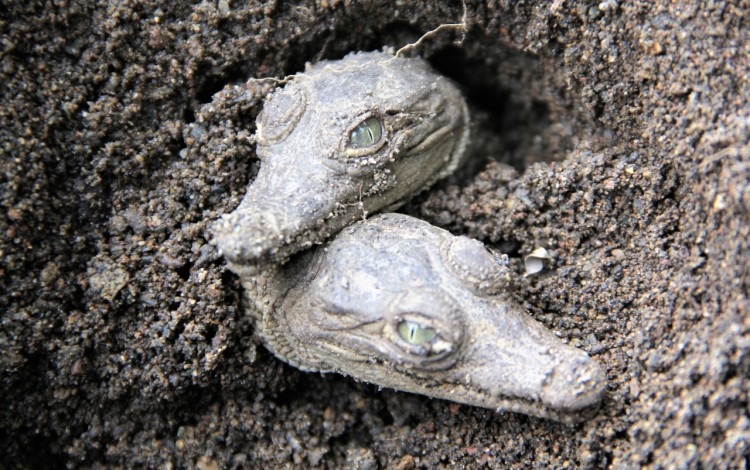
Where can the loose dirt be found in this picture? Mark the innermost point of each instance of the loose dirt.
(125, 131)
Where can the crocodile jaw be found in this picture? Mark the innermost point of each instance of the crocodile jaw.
(507, 362)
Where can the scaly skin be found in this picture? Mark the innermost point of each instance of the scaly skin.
(391, 300)
(344, 308)
(312, 182)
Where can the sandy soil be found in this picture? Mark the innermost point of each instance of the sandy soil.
(124, 132)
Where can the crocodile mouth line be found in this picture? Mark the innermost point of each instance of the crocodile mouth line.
(503, 403)
(435, 138)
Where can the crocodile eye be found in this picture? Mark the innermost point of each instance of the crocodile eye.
(415, 334)
(366, 134)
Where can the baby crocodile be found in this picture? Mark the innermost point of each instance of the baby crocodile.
(343, 139)
(400, 303)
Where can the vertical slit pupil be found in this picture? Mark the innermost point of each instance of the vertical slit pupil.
(366, 134)
(414, 333)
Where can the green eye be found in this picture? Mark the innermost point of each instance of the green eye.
(366, 134)
(414, 333)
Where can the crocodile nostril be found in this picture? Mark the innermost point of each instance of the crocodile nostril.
(241, 236)
(576, 386)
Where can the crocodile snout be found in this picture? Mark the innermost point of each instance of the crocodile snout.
(241, 236)
(275, 221)
(577, 386)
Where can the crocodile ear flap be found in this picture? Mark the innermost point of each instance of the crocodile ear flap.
(281, 113)
(478, 267)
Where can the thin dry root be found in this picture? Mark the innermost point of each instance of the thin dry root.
(462, 26)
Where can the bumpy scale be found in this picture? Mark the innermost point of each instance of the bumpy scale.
(342, 140)
(391, 300)
(400, 303)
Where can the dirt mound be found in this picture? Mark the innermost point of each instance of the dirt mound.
(124, 132)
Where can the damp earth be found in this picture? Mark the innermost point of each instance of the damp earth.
(613, 134)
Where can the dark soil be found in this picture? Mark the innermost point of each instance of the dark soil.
(122, 339)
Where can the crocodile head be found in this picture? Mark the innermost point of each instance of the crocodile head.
(343, 139)
(397, 302)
